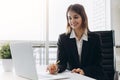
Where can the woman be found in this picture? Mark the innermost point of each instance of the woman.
(79, 49)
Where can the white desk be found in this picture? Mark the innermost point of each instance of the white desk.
(13, 76)
(9, 75)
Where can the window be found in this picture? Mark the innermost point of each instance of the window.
(21, 20)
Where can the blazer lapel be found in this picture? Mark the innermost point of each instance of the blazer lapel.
(84, 51)
(74, 49)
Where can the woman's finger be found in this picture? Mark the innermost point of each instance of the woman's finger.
(52, 68)
(74, 70)
(78, 70)
(81, 72)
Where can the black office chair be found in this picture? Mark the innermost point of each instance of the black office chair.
(107, 44)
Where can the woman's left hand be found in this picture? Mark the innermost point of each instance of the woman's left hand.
(78, 70)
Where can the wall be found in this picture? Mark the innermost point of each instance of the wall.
(115, 19)
(117, 51)
(115, 22)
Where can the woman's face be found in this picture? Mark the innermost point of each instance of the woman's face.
(74, 19)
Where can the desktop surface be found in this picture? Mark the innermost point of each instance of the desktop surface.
(67, 75)
(43, 74)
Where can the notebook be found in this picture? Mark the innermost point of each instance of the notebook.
(24, 63)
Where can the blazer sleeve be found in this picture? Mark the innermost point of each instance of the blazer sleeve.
(61, 54)
(95, 70)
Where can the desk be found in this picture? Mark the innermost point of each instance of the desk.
(9, 75)
(42, 70)
(13, 76)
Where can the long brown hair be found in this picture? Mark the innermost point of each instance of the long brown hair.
(79, 9)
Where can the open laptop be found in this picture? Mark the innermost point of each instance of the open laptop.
(23, 60)
(24, 63)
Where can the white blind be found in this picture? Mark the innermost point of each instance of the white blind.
(101, 15)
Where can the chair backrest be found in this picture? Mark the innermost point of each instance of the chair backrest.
(107, 44)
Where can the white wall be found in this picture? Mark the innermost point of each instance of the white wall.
(117, 51)
(115, 22)
(115, 19)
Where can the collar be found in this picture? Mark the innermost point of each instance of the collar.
(84, 36)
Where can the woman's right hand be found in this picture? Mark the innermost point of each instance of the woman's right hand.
(78, 70)
(52, 68)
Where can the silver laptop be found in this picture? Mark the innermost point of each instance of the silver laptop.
(24, 63)
(23, 60)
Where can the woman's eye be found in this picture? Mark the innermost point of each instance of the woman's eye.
(76, 17)
(70, 18)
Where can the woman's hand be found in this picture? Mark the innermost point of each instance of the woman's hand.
(52, 68)
(78, 70)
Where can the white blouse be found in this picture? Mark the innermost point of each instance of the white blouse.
(79, 43)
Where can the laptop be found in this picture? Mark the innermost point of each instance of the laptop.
(24, 63)
(23, 60)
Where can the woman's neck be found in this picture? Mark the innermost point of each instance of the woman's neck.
(79, 33)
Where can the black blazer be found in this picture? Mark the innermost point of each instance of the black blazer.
(91, 57)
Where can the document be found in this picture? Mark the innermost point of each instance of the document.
(47, 76)
(67, 75)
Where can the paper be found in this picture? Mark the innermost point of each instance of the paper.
(67, 75)
(47, 76)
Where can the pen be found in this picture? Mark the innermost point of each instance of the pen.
(58, 62)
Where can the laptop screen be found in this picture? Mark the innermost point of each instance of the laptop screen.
(23, 60)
